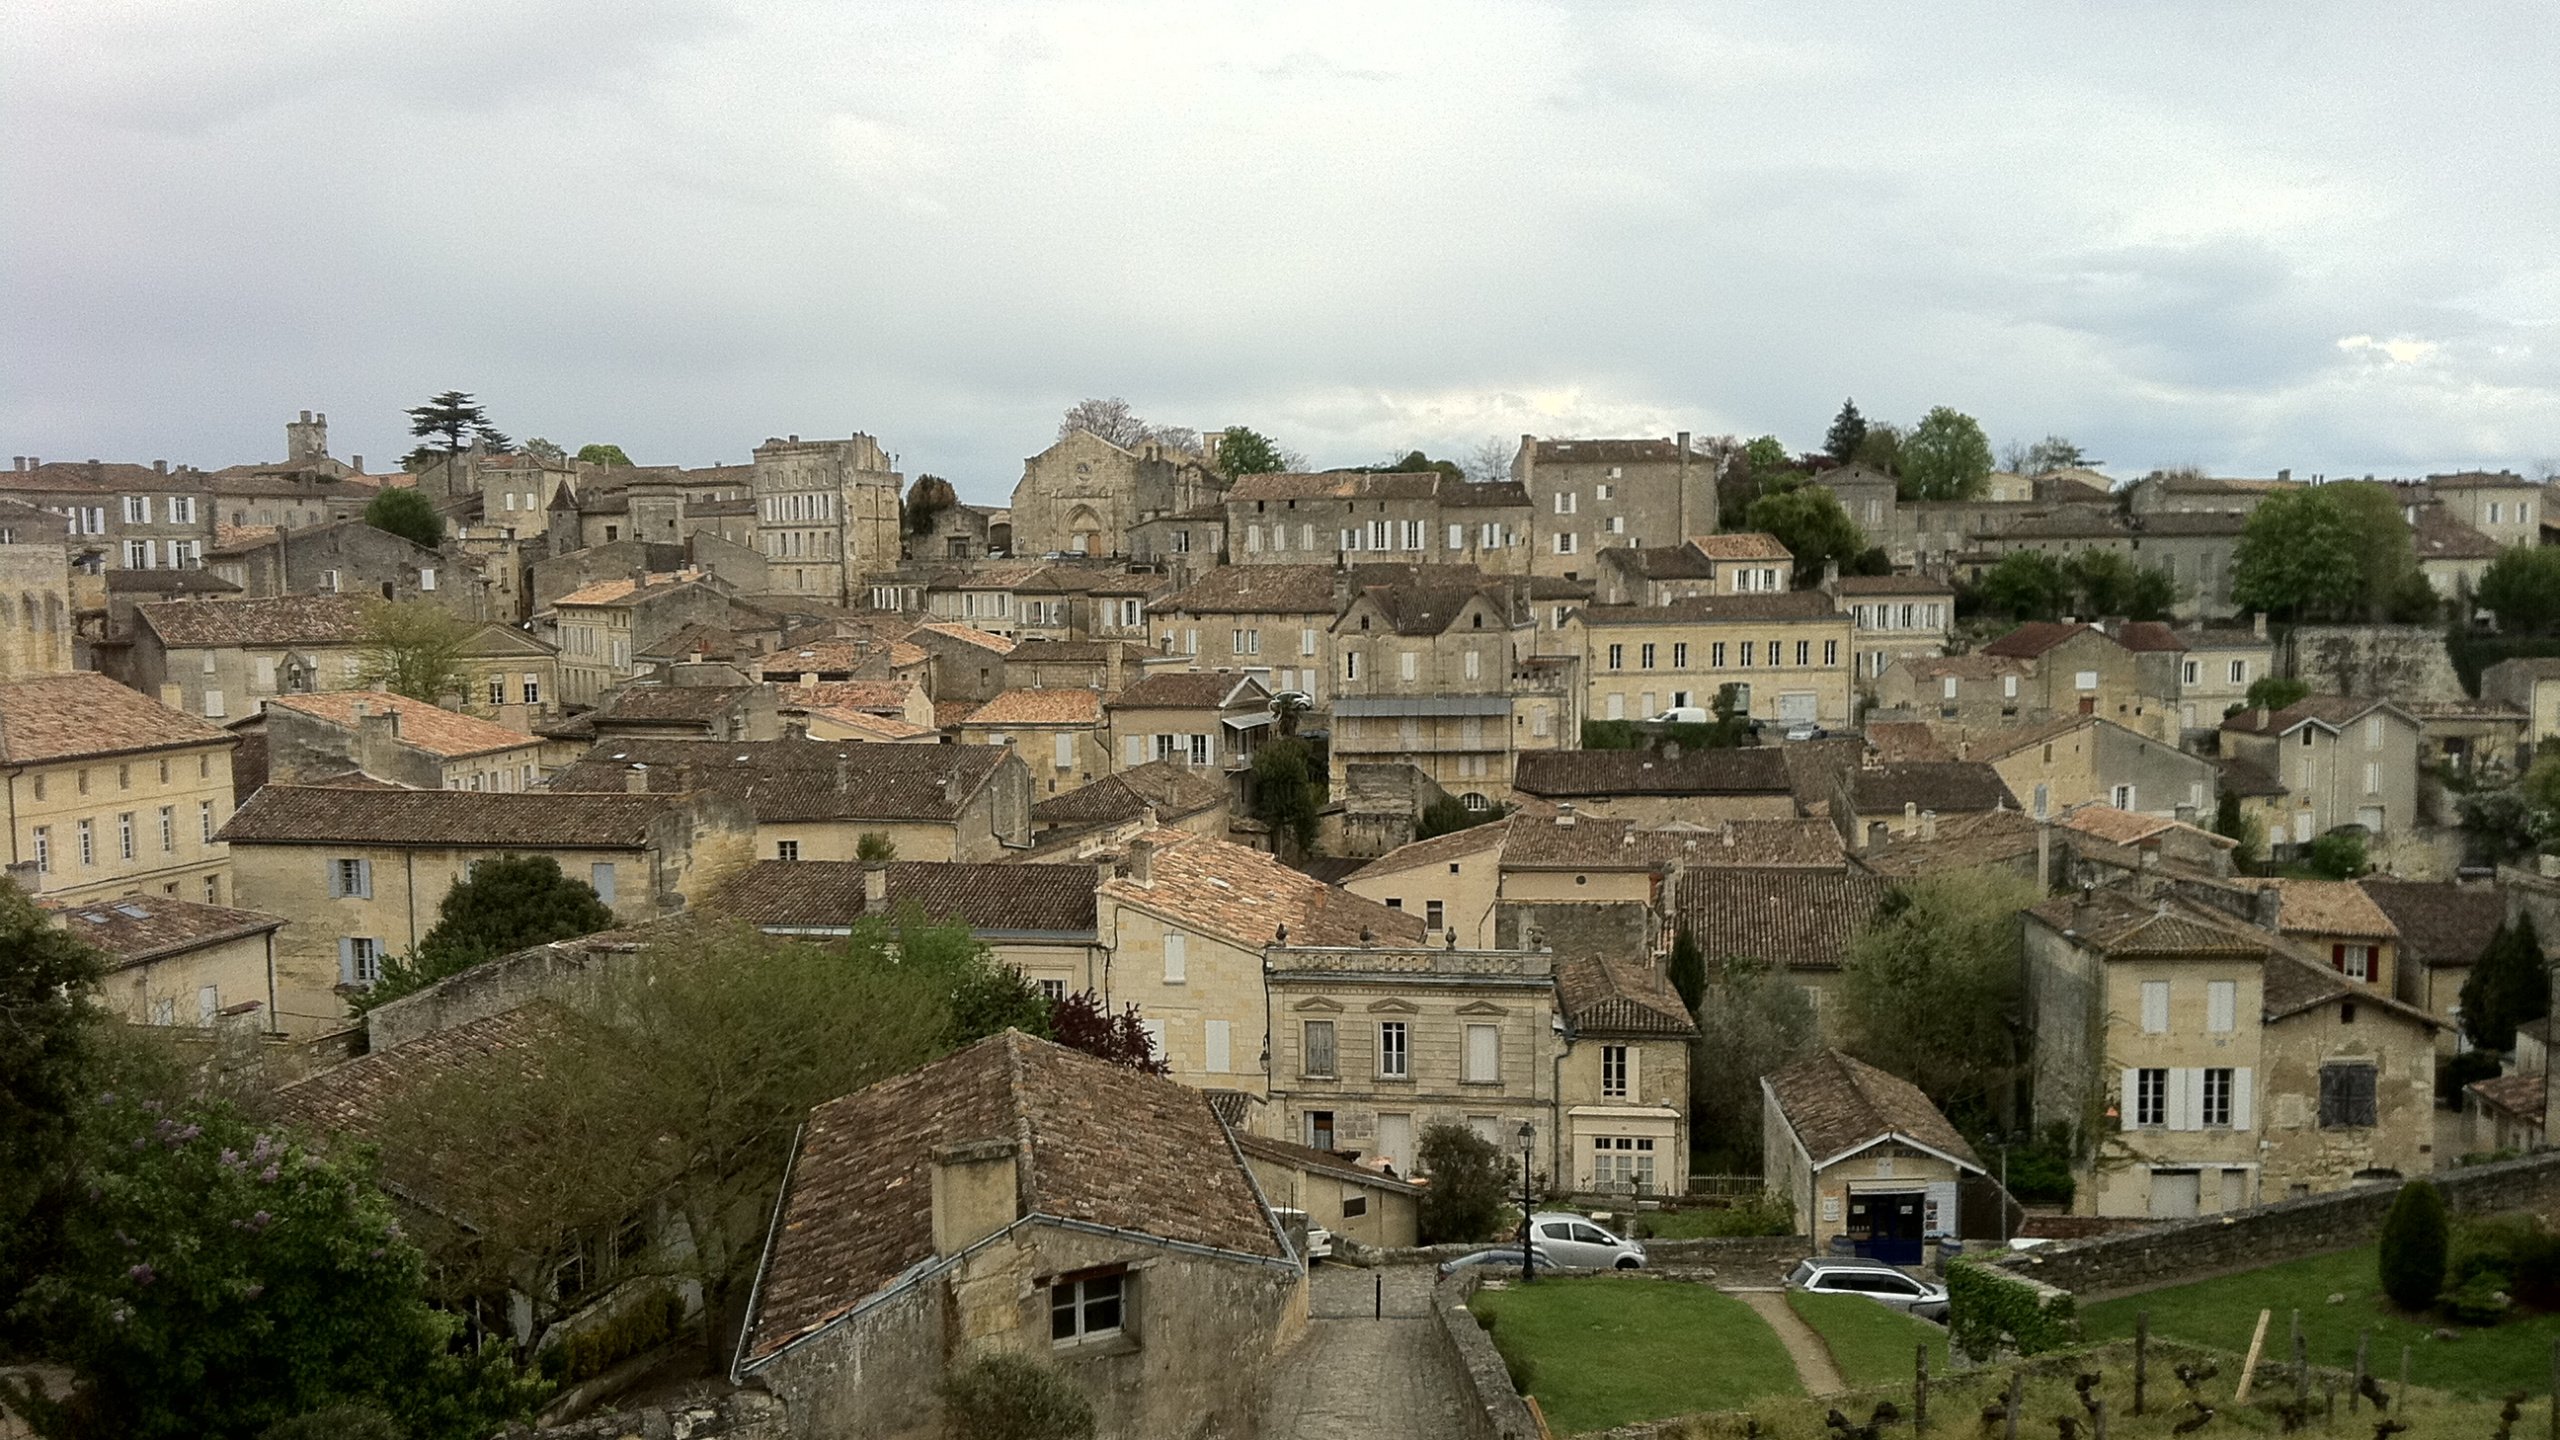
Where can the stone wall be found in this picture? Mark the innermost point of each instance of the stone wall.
(2287, 1230)
(746, 1415)
(1487, 1405)
(568, 968)
(2398, 662)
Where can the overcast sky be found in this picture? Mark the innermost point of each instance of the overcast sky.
(2246, 237)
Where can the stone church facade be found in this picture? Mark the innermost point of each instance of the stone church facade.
(1083, 495)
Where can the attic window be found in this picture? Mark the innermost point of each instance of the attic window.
(135, 911)
(1364, 622)
(2347, 1013)
(1479, 622)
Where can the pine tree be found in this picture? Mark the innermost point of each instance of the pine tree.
(2510, 986)
(1848, 432)
(2414, 1242)
(452, 417)
(1688, 970)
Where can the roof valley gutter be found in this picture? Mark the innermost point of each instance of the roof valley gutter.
(773, 1229)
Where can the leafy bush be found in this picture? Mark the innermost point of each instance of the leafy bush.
(1986, 1305)
(1468, 1181)
(1007, 1397)
(636, 1329)
(2338, 856)
(2513, 1253)
(2477, 1301)
(1448, 814)
(2461, 1070)
(1611, 735)
(2040, 1174)
(2414, 1243)
(2275, 692)
(336, 1422)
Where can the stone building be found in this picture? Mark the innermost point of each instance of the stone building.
(2125, 672)
(1209, 720)
(605, 626)
(1788, 655)
(1442, 675)
(314, 739)
(1893, 617)
(2342, 761)
(349, 557)
(177, 962)
(1978, 691)
(1346, 1199)
(112, 793)
(2444, 927)
(38, 610)
(1039, 919)
(1653, 788)
(120, 517)
(1623, 1077)
(221, 658)
(1862, 1155)
(1085, 495)
(1241, 616)
(2219, 666)
(2078, 760)
(826, 511)
(1020, 1198)
(1586, 496)
(1058, 733)
(1343, 516)
(2503, 506)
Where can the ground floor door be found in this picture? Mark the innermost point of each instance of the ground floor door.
(1395, 1142)
(1887, 1225)
(1795, 705)
(2175, 1194)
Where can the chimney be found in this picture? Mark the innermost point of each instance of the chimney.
(159, 467)
(640, 578)
(2263, 713)
(2084, 913)
(2268, 908)
(1670, 749)
(1147, 817)
(635, 781)
(976, 1193)
(1728, 832)
(1910, 816)
(1142, 861)
(1928, 824)
(2258, 624)
(356, 462)
(875, 888)
(1564, 814)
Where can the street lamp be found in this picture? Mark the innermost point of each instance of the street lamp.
(1528, 1252)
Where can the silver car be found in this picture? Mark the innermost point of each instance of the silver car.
(1880, 1283)
(1573, 1241)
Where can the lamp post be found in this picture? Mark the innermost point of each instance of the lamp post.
(1528, 1251)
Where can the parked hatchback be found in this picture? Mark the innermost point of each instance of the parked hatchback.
(1574, 1241)
(1880, 1283)
(1499, 1259)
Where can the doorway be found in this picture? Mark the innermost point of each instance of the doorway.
(1887, 1226)
(2175, 1194)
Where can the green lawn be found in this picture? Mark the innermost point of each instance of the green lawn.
(1611, 1352)
(2221, 1313)
(1700, 1222)
(1871, 1344)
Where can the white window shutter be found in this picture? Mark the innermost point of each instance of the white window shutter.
(2155, 1007)
(1217, 1038)
(336, 890)
(346, 960)
(1174, 961)
(1133, 751)
(364, 878)
(2129, 1103)
(1635, 1082)
(2241, 1096)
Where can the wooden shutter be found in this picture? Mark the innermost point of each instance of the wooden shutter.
(330, 869)
(364, 878)
(2129, 1103)
(346, 960)
(2338, 958)
(2241, 1098)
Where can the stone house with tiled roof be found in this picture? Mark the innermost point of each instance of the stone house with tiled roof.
(1347, 516)
(1437, 673)
(2532, 684)
(2444, 926)
(1039, 919)
(2502, 506)
(2127, 672)
(1893, 617)
(1451, 882)
(1177, 795)
(220, 658)
(1349, 1200)
(1211, 720)
(2220, 664)
(314, 738)
(2452, 555)
(1102, 665)
(2074, 760)
(1787, 653)
(1059, 734)
(2342, 761)
(1795, 920)
(177, 962)
(1586, 496)
(1862, 1155)
(1978, 691)
(1020, 1198)
(1623, 1076)
(113, 793)
(2213, 1062)
(604, 626)
(360, 873)
(1658, 787)
(1273, 615)
(1878, 802)
(816, 799)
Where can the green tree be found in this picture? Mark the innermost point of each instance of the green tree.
(1751, 1021)
(49, 1060)
(1247, 452)
(875, 847)
(542, 449)
(1932, 984)
(926, 499)
(2337, 551)
(2509, 986)
(2275, 692)
(412, 648)
(1411, 462)
(2053, 452)
(1286, 792)
(2234, 824)
(404, 512)
(1768, 455)
(1688, 970)
(2025, 585)
(218, 1279)
(2103, 582)
(603, 454)
(1946, 457)
(343, 1421)
(1808, 520)
(1882, 449)
(1005, 1396)
(2416, 1237)
(1449, 814)
(2338, 856)
(1848, 432)
(510, 903)
(453, 418)
(2522, 588)
(1468, 1183)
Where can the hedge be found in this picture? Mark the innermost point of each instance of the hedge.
(1987, 1306)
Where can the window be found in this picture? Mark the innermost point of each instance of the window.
(1395, 1059)
(168, 829)
(1804, 652)
(2347, 1096)
(497, 690)
(1084, 1309)
(1617, 657)
(137, 554)
(1564, 542)
(1613, 1071)
(2373, 735)
(1679, 654)
(1484, 1055)
(427, 577)
(2008, 687)
(2155, 1007)
(2217, 1098)
(2121, 797)
(1405, 665)
(1066, 756)
(1748, 647)
(359, 960)
(1620, 1160)
(329, 582)
(2151, 1097)
(204, 821)
(2221, 1006)
(1475, 665)
(1350, 664)
(1199, 749)
(2353, 961)
(1831, 652)
(1176, 965)
(1217, 1038)
(137, 509)
(1435, 914)
(2191, 672)
(1715, 655)
(1053, 991)
(1318, 1054)
(44, 849)
(786, 849)
(213, 889)
(600, 875)
(1565, 503)
(1948, 687)
(2085, 680)
(350, 878)
(1413, 535)
(1457, 537)
(1247, 642)
(2239, 672)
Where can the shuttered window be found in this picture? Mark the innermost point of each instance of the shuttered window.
(2155, 1007)
(2348, 1096)
(1484, 1055)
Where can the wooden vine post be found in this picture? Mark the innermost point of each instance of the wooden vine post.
(2141, 1357)
(1920, 1389)
(2249, 1368)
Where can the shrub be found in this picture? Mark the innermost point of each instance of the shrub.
(2338, 856)
(2513, 1253)
(1468, 1181)
(1008, 1397)
(336, 1422)
(1986, 1305)
(2414, 1243)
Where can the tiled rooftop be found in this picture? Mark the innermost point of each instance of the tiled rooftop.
(136, 928)
(427, 727)
(286, 620)
(64, 717)
(1796, 917)
(1040, 707)
(1056, 899)
(1245, 897)
(443, 819)
(1837, 1104)
(798, 779)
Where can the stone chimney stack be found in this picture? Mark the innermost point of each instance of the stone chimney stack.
(976, 1192)
(2267, 909)
(2258, 624)
(1564, 814)
(635, 781)
(1928, 824)
(1142, 861)
(875, 888)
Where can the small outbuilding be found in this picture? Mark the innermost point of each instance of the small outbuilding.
(1862, 1155)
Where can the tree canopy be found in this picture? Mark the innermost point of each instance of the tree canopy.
(542, 449)
(413, 648)
(1945, 457)
(404, 512)
(2522, 588)
(48, 1060)
(2032, 585)
(1751, 1021)
(2509, 986)
(1468, 1180)
(455, 419)
(927, 498)
(1933, 983)
(603, 454)
(1287, 792)
(506, 904)
(1114, 421)
(1882, 449)
(1248, 452)
(1082, 1022)
(1848, 432)
(1808, 520)
(2328, 552)
(1411, 462)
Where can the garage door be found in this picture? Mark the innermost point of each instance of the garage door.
(1794, 705)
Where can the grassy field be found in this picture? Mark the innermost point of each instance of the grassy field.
(1871, 1344)
(1700, 1222)
(2220, 1313)
(1609, 1351)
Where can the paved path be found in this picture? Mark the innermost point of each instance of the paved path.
(1355, 1377)
(1812, 1357)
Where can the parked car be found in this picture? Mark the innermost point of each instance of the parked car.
(1685, 715)
(1498, 1259)
(1878, 1282)
(1575, 1242)
(1805, 730)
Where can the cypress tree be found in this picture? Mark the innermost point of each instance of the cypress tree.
(2510, 986)
(2414, 1245)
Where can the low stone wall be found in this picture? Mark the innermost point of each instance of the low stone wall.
(2181, 1250)
(745, 1415)
(490, 988)
(1488, 1406)
(1742, 1256)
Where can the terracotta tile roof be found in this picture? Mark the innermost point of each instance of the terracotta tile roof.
(2518, 1095)
(2242, 778)
(1441, 849)
(1040, 707)
(1976, 666)
(1966, 841)
(1588, 842)
(885, 696)
(118, 476)
(1174, 790)
(794, 780)
(1610, 452)
(2123, 827)
(793, 661)
(1898, 741)
(1740, 545)
(1080, 652)
(1188, 690)
(712, 642)
(425, 727)
(2334, 711)
(2010, 739)
(2146, 635)
(970, 634)
(1339, 485)
(2033, 639)
(2291, 983)
(285, 620)
(1758, 842)
(1053, 899)
(872, 727)
(2328, 907)
(1254, 590)
(63, 717)
(444, 819)
(2482, 480)
(1426, 609)
(627, 590)
(1565, 774)
(671, 704)
(2439, 536)
(1836, 1104)
(2442, 924)
(168, 582)
(2116, 924)
(1607, 998)
(1894, 585)
(363, 1098)
(1786, 605)
(1946, 786)
(1097, 1142)
(134, 928)
(1244, 896)
(1798, 917)
(1660, 562)
(1324, 1162)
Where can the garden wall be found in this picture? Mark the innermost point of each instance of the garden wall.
(1770, 1255)
(2185, 1250)
(1487, 1405)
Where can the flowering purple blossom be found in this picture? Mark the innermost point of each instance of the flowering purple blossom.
(378, 1253)
(108, 1098)
(151, 1107)
(141, 1274)
(268, 1175)
(139, 1141)
(228, 1160)
(264, 1149)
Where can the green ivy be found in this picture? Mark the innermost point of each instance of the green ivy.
(638, 1328)
(1986, 1305)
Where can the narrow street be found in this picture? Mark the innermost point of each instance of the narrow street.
(1356, 1377)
